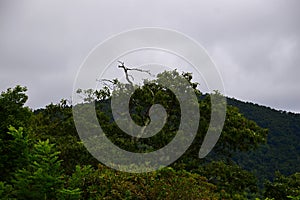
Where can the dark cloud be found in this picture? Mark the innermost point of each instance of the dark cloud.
(255, 44)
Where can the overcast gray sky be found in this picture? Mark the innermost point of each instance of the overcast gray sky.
(255, 44)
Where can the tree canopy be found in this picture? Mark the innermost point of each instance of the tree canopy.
(42, 156)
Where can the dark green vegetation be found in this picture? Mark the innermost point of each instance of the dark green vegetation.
(43, 158)
(282, 151)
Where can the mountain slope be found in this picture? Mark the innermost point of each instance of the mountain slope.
(282, 151)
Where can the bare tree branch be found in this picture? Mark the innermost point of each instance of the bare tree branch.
(104, 82)
(126, 72)
(126, 69)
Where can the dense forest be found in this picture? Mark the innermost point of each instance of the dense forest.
(42, 156)
(282, 151)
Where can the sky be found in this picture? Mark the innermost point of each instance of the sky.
(255, 44)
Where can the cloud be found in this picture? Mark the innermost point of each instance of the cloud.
(255, 44)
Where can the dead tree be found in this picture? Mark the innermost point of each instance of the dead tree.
(127, 75)
(129, 79)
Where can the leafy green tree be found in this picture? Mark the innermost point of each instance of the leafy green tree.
(34, 171)
(106, 183)
(55, 122)
(283, 187)
(239, 134)
(13, 112)
(42, 178)
(238, 183)
(12, 142)
(15, 152)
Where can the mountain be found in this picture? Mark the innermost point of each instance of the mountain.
(282, 151)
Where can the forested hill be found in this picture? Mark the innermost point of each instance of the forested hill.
(42, 156)
(282, 151)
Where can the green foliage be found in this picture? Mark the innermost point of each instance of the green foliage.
(42, 177)
(282, 151)
(66, 194)
(12, 113)
(240, 133)
(283, 187)
(231, 178)
(105, 183)
(5, 191)
(14, 152)
(55, 123)
(33, 170)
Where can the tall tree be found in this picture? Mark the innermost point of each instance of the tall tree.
(12, 113)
